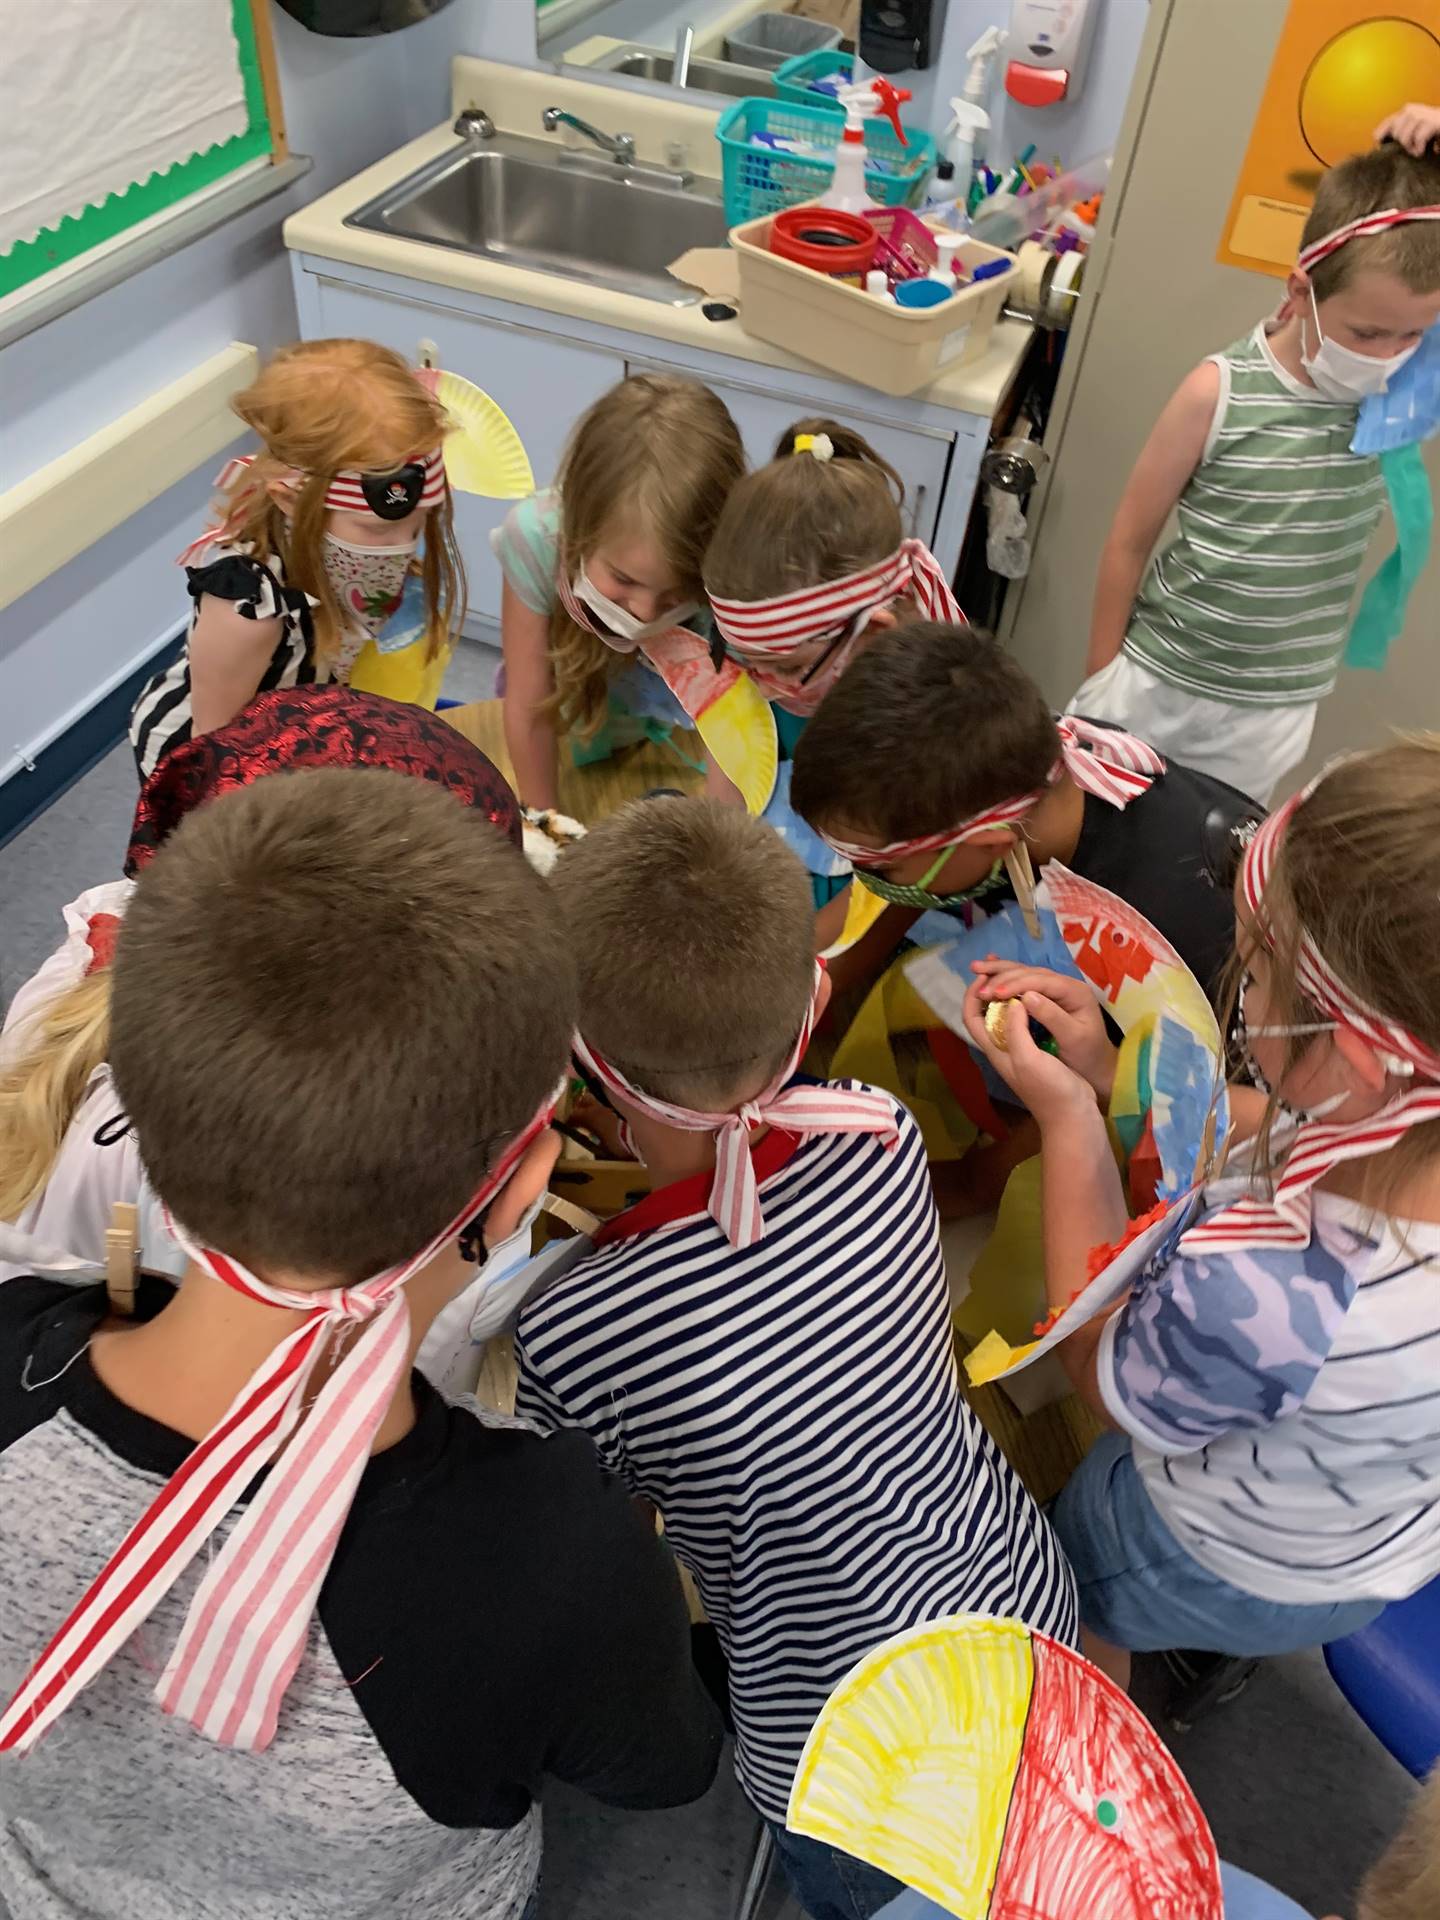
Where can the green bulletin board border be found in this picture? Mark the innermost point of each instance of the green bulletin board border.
(76, 233)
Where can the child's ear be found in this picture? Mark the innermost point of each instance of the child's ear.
(822, 997)
(523, 1188)
(1297, 294)
(1361, 1058)
(882, 618)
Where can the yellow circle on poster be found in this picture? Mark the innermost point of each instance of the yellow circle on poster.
(1359, 78)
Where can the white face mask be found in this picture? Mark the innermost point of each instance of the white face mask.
(1342, 374)
(623, 631)
(449, 1355)
(367, 581)
(1247, 1033)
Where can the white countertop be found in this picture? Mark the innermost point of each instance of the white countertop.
(513, 96)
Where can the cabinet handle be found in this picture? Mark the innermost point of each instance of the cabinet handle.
(916, 508)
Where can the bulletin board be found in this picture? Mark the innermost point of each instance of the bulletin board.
(1340, 68)
(130, 108)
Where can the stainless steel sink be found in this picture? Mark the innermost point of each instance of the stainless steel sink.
(709, 76)
(532, 204)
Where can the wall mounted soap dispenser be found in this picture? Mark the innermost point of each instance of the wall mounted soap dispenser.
(900, 36)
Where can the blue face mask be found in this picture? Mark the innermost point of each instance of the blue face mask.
(919, 895)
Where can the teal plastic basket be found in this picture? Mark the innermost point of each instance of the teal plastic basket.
(795, 80)
(761, 180)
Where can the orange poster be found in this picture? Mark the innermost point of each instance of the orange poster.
(1341, 67)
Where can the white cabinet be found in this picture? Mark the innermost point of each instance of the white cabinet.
(544, 385)
(919, 457)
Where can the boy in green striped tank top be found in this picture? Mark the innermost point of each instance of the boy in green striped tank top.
(1221, 651)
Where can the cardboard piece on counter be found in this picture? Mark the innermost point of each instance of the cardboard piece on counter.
(714, 270)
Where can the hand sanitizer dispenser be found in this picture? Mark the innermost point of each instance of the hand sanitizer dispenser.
(1048, 46)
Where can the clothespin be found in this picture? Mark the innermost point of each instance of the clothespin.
(122, 1257)
(1022, 879)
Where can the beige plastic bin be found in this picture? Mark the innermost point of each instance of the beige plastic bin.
(854, 334)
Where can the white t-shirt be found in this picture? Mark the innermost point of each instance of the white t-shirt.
(1285, 1406)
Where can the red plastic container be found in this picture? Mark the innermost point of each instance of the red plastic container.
(839, 245)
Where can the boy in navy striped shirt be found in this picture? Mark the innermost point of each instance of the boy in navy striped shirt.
(762, 1346)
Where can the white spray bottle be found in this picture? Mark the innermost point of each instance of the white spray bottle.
(964, 139)
(847, 191)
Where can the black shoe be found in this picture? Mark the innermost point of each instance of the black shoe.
(1203, 1681)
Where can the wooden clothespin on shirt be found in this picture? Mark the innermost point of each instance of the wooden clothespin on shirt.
(122, 1257)
(1022, 879)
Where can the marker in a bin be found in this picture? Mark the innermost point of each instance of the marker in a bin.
(987, 270)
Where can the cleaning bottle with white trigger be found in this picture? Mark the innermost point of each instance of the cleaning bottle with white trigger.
(847, 191)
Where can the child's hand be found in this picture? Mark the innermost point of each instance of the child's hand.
(1067, 1010)
(1051, 1090)
(1413, 127)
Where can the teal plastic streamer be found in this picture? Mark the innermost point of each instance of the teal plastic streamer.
(1381, 612)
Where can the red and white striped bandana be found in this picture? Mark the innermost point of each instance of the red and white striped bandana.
(247, 1624)
(1318, 1145)
(734, 1193)
(345, 493)
(1114, 766)
(773, 629)
(1321, 249)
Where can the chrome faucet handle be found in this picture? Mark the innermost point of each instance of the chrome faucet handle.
(621, 146)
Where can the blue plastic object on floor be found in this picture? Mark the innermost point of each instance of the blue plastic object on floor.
(1390, 1674)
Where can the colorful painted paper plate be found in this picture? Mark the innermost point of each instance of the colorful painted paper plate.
(483, 452)
(1004, 1777)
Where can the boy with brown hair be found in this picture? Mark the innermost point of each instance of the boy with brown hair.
(762, 1346)
(341, 1005)
(1237, 631)
(936, 755)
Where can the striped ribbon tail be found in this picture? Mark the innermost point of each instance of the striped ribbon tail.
(933, 592)
(248, 1623)
(163, 1542)
(1318, 1147)
(1113, 765)
(735, 1195)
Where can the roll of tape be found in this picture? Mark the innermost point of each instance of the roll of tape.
(1037, 266)
(1063, 285)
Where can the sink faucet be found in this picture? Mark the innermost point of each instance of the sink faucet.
(474, 124)
(620, 145)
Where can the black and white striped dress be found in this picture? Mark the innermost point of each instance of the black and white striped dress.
(792, 1409)
(260, 592)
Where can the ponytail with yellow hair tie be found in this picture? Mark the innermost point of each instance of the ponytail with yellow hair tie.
(819, 445)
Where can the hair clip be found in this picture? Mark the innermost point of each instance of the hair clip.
(818, 445)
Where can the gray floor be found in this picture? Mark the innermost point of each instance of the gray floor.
(1294, 1786)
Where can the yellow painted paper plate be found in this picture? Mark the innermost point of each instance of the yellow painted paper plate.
(1002, 1776)
(739, 733)
(483, 452)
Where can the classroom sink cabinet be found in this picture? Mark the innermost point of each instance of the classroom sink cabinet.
(545, 368)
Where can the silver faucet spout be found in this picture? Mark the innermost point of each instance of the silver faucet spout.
(620, 145)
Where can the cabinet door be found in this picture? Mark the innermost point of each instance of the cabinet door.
(921, 459)
(543, 384)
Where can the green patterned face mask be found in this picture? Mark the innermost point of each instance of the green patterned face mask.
(918, 894)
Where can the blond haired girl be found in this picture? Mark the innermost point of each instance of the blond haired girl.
(604, 561)
(343, 512)
(1275, 1476)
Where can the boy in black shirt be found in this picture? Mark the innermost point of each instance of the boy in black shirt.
(934, 734)
(340, 1007)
